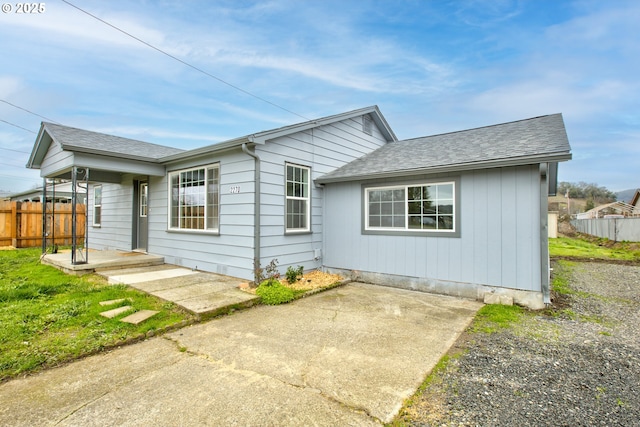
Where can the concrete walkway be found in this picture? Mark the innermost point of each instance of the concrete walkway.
(348, 356)
(203, 294)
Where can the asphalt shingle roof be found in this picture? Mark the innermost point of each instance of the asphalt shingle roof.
(99, 143)
(524, 140)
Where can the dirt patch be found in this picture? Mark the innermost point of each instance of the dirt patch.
(566, 229)
(310, 281)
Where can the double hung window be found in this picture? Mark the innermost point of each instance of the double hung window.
(297, 208)
(195, 199)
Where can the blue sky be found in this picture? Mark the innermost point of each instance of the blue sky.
(431, 67)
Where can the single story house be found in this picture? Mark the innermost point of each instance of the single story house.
(60, 193)
(462, 213)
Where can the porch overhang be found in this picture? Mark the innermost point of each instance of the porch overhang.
(56, 158)
(103, 169)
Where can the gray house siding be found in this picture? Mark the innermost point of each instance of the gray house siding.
(56, 160)
(114, 231)
(498, 244)
(228, 252)
(321, 149)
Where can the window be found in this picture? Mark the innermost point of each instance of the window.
(428, 207)
(297, 204)
(97, 205)
(194, 199)
(144, 199)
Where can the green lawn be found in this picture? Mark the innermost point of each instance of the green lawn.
(49, 317)
(594, 249)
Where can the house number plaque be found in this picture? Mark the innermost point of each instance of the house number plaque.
(234, 189)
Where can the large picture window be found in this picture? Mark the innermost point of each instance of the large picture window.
(297, 205)
(428, 207)
(195, 199)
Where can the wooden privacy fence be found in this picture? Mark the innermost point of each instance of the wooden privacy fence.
(21, 224)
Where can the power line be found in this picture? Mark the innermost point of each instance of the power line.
(200, 70)
(28, 111)
(15, 125)
(12, 166)
(17, 151)
(19, 177)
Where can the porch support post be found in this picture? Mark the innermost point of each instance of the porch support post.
(44, 215)
(74, 199)
(74, 214)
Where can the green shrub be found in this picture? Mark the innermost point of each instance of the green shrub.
(293, 274)
(272, 292)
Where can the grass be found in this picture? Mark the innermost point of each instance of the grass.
(49, 317)
(494, 317)
(594, 249)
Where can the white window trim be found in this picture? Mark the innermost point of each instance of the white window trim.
(307, 229)
(406, 230)
(95, 205)
(206, 206)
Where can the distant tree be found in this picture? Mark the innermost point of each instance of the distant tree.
(583, 190)
(589, 205)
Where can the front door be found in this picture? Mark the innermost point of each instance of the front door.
(142, 208)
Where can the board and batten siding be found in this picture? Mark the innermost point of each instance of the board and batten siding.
(114, 231)
(322, 149)
(499, 243)
(228, 252)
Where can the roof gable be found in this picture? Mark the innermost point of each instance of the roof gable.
(527, 141)
(264, 136)
(84, 141)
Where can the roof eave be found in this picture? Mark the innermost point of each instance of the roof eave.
(378, 118)
(460, 167)
(209, 149)
(37, 149)
(93, 151)
(261, 138)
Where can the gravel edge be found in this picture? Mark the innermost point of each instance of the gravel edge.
(574, 364)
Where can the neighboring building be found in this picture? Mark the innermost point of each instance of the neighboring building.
(463, 213)
(60, 193)
(635, 202)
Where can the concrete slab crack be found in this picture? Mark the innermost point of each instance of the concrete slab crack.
(231, 367)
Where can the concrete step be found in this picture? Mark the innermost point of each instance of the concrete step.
(139, 316)
(150, 275)
(133, 270)
(116, 311)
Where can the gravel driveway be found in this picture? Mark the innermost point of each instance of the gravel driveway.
(577, 364)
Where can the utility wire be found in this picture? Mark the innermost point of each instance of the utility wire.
(28, 111)
(12, 166)
(17, 151)
(19, 177)
(15, 125)
(200, 70)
